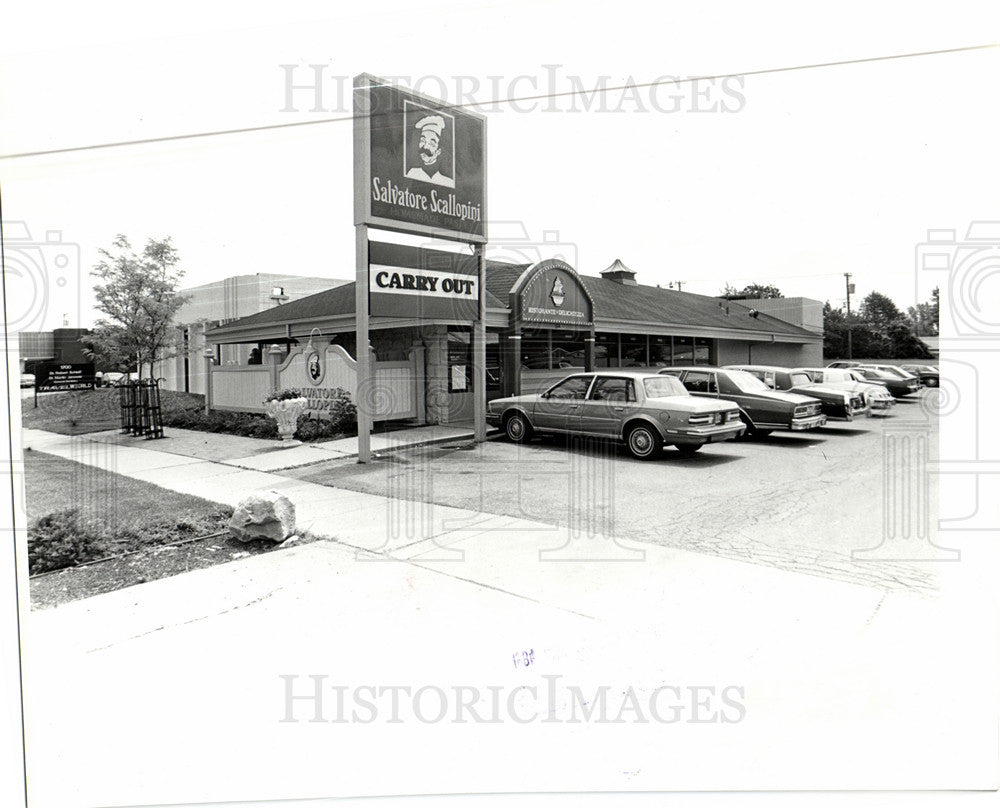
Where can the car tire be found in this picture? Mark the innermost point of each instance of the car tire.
(689, 448)
(750, 430)
(642, 442)
(516, 428)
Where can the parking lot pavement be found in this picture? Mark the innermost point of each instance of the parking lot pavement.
(804, 502)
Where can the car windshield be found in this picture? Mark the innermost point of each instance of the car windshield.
(663, 386)
(746, 382)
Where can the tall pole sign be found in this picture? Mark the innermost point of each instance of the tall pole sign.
(419, 168)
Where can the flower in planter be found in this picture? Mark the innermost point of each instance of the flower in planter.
(285, 407)
(287, 394)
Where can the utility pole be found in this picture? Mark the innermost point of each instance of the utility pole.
(850, 288)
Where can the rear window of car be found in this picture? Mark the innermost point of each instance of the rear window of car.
(745, 382)
(663, 386)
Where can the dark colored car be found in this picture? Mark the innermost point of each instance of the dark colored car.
(897, 386)
(837, 403)
(929, 375)
(763, 410)
(645, 410)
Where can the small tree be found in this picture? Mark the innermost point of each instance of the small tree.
(138, 295)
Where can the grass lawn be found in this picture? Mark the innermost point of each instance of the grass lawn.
(121, 515)
(81, 411)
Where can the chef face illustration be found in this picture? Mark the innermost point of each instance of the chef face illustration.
(432, 134)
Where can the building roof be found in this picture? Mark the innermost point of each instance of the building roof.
(613, 301)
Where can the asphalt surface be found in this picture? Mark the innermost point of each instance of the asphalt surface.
(810, 502)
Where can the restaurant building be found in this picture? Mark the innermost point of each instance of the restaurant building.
(543, 320)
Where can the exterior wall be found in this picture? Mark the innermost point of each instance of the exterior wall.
(240, 388)
(243, 295)
(801, 311)
(784, 354)
(396, 394)
(220, 301)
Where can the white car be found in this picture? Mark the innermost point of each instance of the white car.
(877, 396)
(111, 378)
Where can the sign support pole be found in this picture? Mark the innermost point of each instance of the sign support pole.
(362, 349)
(479, 348)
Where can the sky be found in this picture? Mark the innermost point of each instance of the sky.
(789, 178)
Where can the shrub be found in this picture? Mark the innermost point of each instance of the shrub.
(63, 539)
(342, 419)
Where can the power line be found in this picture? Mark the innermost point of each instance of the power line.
(600, 89)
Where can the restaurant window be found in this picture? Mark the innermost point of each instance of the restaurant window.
(459, 361)
(702, 351)
(683, 351)
(660, 352)
(545, 349)
(606, 351)
(633, 350)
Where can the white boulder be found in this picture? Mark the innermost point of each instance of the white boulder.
(263, 515)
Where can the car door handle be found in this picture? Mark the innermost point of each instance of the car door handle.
(619, 409)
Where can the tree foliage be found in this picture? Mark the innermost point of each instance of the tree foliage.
(925, 316)
(751, 291)
(137, 293)
(879, 330)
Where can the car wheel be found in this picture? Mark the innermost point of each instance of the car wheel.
(750, 429)
(689, 448)
(642, 442)
(517, 428)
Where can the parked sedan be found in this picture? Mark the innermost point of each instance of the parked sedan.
(877, 396)
(645, 410)
(897, 386)
(837, 403)
(763, 410)
(929, 375)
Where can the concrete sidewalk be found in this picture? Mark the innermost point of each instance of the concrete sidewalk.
(364, 521)
(261, 454)
(190, 675)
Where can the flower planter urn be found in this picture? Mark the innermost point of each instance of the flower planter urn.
(286, 413)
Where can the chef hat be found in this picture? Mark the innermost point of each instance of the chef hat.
(432, 122)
